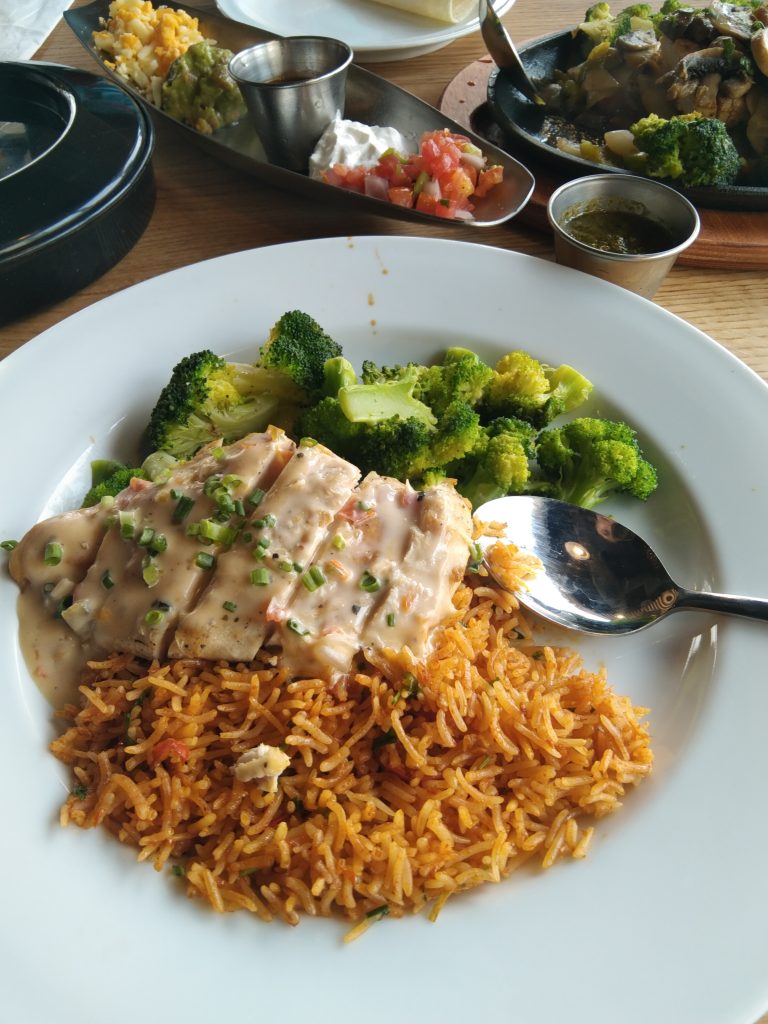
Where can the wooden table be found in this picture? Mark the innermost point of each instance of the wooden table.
(206, 209)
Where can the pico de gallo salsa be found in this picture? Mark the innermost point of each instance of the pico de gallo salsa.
(442, 179)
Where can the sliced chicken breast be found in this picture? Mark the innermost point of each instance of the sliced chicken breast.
(159, 554)
(251, 588)
(417, 593)
(364, 548)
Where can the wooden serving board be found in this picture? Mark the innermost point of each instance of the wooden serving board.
(729, 239)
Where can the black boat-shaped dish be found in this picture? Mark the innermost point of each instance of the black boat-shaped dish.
(369, 99)
(536, 129)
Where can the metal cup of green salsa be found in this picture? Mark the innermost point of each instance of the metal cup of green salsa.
(622, 228)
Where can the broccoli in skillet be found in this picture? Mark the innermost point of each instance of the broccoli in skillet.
(689, 149)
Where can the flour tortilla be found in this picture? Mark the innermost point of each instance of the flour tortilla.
(451, 11)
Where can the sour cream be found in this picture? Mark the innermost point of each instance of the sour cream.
(355, 145)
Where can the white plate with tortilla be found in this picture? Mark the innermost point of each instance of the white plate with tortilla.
(377, 30)
(665, 920)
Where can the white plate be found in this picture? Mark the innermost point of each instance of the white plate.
(664, 922)
(374, 31)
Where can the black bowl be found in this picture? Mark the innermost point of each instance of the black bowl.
(76, 184)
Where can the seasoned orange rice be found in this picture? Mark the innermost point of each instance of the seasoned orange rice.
(407, 782)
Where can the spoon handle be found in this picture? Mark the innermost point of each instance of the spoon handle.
(748, 607)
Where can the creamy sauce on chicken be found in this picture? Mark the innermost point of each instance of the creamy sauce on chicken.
(303, 560)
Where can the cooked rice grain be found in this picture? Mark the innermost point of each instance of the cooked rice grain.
(392, 800)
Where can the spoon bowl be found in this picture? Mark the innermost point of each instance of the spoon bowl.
(504, 53)
(596, 575)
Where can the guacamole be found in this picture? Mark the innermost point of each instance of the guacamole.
(200, 91)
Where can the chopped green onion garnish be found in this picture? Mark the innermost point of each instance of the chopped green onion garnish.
(285, 566)
(420, 182)
(377, 913)
(338, 542)
(297, 567)
(53, 553)
(384, 738)
(317, 575)
(231, 481)
(229, 606)
(260, 577)
(484, 763)
(364, 506)
(146, 536)
(296, 627)
(218, 453)
(154, 616)
(309, 583)
(212, 484)
(8, 545)
(178, 870)
(204, 560)
(218, 532)
(391, 619)
(256, 496)
(369, 583)
(106, 580)
(239, 507)
(151, 574)
(127, 524)
(193, 530)
(183, 508)
(159, 543)
(79, 792)
(247, 537)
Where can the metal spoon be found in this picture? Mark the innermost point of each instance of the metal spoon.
(597, 576)
(502, 49)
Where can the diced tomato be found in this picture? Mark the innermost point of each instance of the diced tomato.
(392, 167)
(438, 162)
(169, 747)
(488, 179)
(441, 155)
(425, 203)
(401, 196)
(445, 208)
(458, 187)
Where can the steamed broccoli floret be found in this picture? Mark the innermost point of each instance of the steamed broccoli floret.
(690, 149)
(588, 459)
(108, 479)
(524, 388)
(382, 428)
(299, 347)
(208, 399)
(461, 377)
(499, 464)
(338, 373)
(372, 403)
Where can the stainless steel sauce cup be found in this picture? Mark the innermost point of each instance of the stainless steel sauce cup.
(293, 88)
(643, 272)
